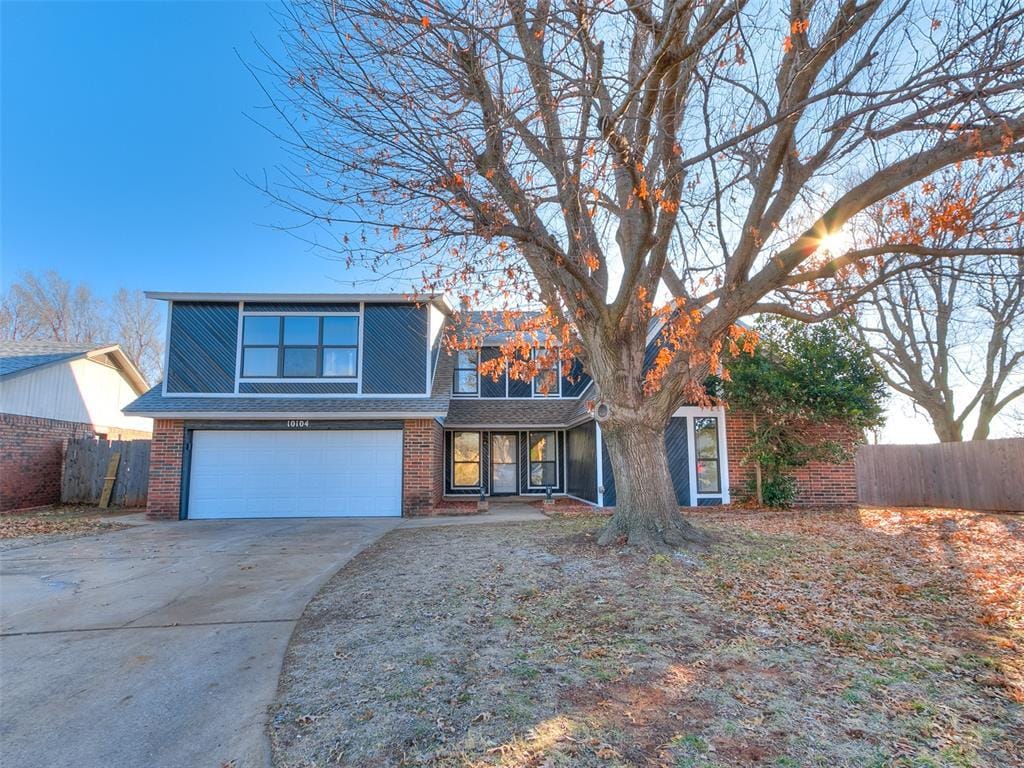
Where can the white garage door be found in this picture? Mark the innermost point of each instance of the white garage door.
(320, 473)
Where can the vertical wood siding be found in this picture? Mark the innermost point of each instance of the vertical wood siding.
(581, 451)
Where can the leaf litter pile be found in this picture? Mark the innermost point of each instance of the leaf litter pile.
(832, 638)
(61, 522)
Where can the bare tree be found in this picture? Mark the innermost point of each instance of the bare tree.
(586, 155)
(955, 326)
(136, 324)
(49, 307)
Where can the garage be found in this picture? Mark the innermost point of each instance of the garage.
(295, 473)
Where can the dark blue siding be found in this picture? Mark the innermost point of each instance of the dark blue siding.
(678, 458)
(709, 502)
(576, 382)
(394, 349)
(581, 454)
(488, 386)
(203, 347)
(518, 388)
(271, 306)
(678, 463)
(298, 388)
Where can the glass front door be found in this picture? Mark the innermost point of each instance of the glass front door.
(504, 466)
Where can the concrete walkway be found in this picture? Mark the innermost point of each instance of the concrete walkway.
(161, 645)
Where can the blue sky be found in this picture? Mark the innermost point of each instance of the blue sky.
(124, 135)
(123, 139)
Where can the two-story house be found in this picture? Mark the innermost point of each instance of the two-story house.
(334, 405)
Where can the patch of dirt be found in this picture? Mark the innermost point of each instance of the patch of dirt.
(840, 638)
(20, 529)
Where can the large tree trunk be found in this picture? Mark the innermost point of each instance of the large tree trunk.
(646, 511)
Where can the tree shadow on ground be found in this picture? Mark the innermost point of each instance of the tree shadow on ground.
(841, 637)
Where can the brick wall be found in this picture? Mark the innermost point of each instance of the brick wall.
(819, 484)
(165, 469)
(422, 466)
(31, 455)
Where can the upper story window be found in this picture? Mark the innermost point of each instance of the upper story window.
(467, 373)
(548, 381)
(300, 346)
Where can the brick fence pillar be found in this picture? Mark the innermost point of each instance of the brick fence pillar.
(165, 469)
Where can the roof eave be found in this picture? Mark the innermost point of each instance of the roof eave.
(250, 415)
(436, 299)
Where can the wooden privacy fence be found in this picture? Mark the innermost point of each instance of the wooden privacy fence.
(87, 462)
(981, 474)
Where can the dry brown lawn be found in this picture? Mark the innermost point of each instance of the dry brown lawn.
(828, 638)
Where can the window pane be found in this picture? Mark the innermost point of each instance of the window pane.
(466, 359)
(707, 476)
(467, 474)
(259, 361)
(542, 446)
(262, 330)
(341, 330)
(542, 473)
(300, 361)
(465, 382)
(302, 330)
(340, 362)
(706, 436)
(467, 446)
(546, 382)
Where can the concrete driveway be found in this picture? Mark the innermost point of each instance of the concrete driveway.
(159, 645)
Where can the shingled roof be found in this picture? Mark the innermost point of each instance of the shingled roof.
(19, 357)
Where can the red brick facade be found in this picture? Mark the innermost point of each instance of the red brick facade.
(422, 466)
(165, 469)
(32, 454)
(819, 484)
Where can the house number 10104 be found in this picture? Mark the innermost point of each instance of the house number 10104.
(298, 423)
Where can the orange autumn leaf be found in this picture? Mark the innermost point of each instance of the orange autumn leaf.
(425, 22)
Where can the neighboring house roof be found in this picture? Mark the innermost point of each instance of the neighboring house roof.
(19, 357)
(235, 407)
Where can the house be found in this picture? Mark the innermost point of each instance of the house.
(51, 392)
(349, 405)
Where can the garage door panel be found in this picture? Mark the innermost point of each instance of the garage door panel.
(265, 473)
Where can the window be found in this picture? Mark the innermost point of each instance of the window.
(300, 346)
(467, 375)
(705, 439)
(466, 459)
(543, 467)
(547, 382)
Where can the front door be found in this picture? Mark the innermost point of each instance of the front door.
(504, 466)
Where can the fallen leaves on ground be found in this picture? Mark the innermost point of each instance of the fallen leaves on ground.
(870, 637)
(52, 521)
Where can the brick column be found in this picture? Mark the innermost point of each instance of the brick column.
(422, 466)
(165, 469)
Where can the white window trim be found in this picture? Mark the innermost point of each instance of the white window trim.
(480, 458)
(357, 379)
(456, 369)
(558, 378)
(690, 412)
(529, 461)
